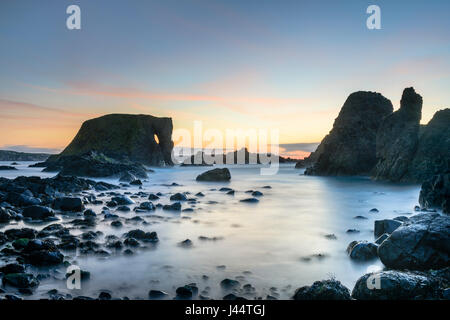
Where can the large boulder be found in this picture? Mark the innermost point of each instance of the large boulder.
(73, 204)
(398, 285)
(125, 137)
(421, 243)
(398, 137)
(323, 290)
(37, 212)
(435, 193)
(350, 147)
(215, 175)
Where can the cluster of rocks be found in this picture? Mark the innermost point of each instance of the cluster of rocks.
(367, 138)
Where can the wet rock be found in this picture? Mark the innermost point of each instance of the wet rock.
(323, 290)
(215, 175)
(12, 268)
(5, 215)
(131, 242)
(153, 197)
(435, 193)
(157, 294)
(22, 199)
(72, 204)
(123, 208)
(331, 236)
(352, 231)
(38, 212)
(20, 280)
(418, 244)
(381, 238)
(178, 197)
(45, 258)
(360, 218)
(147, 206)
(396, 285)
(257, 194)
(229, 284)
(172, 207)
(186, 243)
(116, 224)
(127, 177)
(232, 296)
(184, 293)
(104, 296)
(142, 235)
(373, 210)
(14, 234)
(136, 182)
(385, 226)
(6, 168)
(199, 194)
(250, 200)
(362, 250)
(122, 200)
(89, 213)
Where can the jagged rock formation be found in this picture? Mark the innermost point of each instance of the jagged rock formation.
(398, 137)
(6, 155)
(435, 193)
(124, 137)
(433, 151)
(350, 147)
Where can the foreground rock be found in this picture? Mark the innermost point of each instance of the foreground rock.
(215, 175)
(421, 243)
(323, 290)
(398, 285)
(350, 147)
(435, 193)
(125, 137)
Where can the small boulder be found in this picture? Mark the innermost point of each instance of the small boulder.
(323, 290)
(215, 175)
(72, 204)
(38, 212)
(386, 226)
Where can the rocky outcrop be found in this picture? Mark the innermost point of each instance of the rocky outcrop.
(323, 290)
(93, 164)
(6, 155)
(124, 137)
(433, 150)
(435, 193)
(398, 137)
(398, 285)
(350, 147)
(215, 175)
(421, 243)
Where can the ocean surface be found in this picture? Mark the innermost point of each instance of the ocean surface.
(276, 245)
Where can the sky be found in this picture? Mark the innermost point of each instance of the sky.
(250, 64)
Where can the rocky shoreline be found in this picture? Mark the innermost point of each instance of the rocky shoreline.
(413, 249)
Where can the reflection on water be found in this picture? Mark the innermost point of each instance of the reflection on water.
(269, 244)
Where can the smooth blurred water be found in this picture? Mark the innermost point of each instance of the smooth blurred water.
(269, 238)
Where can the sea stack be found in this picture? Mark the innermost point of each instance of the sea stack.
(125, 137)
(398, 137)
(350, 147)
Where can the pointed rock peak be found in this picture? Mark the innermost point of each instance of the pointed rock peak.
(411, 103)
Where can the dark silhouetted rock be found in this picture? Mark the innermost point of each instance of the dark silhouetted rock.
(323, 290)
(38, 212)
(350, 147)
(398, 137)
(68, 204)
(6, 168)
(20, 280)
(215, 175)
(422, 242)
(435, 193)
(126, 137)
(7, 155)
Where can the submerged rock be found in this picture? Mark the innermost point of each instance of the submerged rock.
(323, 290)
(362, 250)
(215, 175)
(385, 226)
(421, 243)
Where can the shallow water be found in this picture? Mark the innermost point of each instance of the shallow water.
(263, 244)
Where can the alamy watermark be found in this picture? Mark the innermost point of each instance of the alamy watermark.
(231, 146)
(73, 281)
